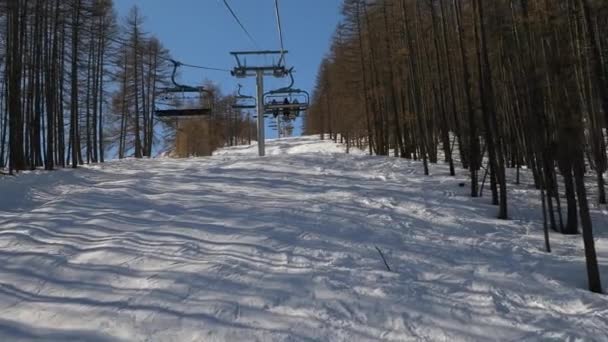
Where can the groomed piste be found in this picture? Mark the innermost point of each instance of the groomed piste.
(284, 248)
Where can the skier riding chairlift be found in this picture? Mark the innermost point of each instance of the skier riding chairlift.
(286, 111)
(275, 111)
(297, 110)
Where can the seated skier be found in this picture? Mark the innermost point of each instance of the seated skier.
(286, 110)
(275, 110)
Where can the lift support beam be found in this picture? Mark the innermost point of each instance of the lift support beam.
(259, 72)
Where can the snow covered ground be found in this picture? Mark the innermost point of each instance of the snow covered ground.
(238, 248)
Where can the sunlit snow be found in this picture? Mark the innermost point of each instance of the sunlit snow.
(283, 248)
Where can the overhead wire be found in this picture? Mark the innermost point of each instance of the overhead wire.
(239, 22)
(280, 28)
(203, 67)
(168, 59)
(138, 50)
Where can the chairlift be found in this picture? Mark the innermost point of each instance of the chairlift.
(288, 100)
(183, 101)
(244, 101)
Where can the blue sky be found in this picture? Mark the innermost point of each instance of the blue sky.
(202, 32)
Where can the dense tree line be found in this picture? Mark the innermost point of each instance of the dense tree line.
(77, 83)
(485, 85)
(53, 81)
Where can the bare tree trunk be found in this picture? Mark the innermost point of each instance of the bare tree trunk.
(474, 146)
(74, 136)
(593, 272)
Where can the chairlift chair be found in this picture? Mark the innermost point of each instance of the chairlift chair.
(183, 101)
(288, 100)
(244, 101)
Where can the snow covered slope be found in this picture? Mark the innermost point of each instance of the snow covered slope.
(238, 248)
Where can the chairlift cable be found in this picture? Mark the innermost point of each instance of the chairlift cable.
(240, 23)
(280, 27)
(124, 43)
(203, 67)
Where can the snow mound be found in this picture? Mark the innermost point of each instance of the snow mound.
(283, 248)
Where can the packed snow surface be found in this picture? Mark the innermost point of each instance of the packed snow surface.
(283, 248)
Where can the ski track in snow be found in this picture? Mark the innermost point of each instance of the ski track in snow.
(238, 248)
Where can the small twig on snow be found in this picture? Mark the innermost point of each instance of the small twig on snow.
(383, 259)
